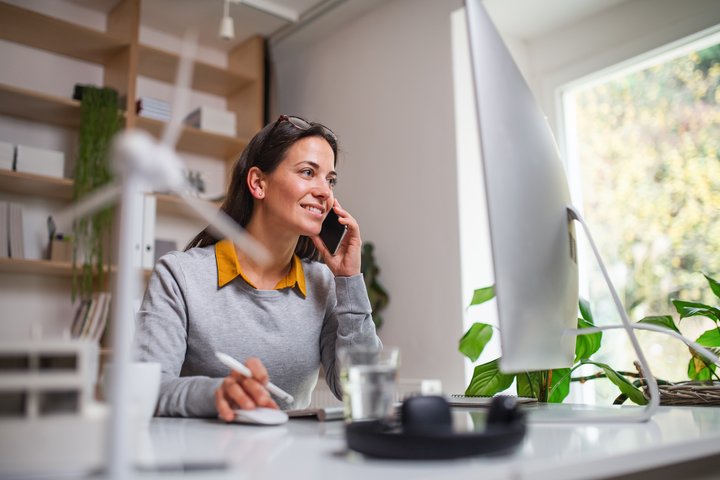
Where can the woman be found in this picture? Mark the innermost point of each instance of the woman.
(283, 320)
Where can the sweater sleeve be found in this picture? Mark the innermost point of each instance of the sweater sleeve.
(161, 336)
(348, 322)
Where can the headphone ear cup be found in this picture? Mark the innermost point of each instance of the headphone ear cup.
(426, 415)
(504, 411)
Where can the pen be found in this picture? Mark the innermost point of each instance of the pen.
(230, 362)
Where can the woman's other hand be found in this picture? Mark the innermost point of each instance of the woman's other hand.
(346, 261)
(237, 391)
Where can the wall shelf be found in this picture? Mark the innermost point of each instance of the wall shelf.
(36, 185)
(58, 36)
(161, 65)
(40, 107)
(44, 267)
(173, 205)
(62, 188)
(38, 267)
(193, 140)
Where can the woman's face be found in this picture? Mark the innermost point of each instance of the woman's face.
(299, 193)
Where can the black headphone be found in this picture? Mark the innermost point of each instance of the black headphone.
(426, 431)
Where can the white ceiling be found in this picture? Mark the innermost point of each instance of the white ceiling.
(522, 19)
(527, 19)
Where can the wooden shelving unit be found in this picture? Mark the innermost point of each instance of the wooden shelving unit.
(161, 65)
(36, 30)
(197, 141)
(62, 188)
(36, 267)
(36, 185)
(43, 267)
(40, 107)
(123, 59)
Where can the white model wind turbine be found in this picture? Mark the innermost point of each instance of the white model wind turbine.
(143, 165)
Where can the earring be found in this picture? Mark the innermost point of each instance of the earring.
(261, 194)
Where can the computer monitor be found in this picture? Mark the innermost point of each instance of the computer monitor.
(532, 237)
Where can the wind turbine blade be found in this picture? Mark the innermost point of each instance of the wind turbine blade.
(97, 200)
(183, 80)
(225, 227)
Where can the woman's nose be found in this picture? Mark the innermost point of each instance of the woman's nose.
(322, 189)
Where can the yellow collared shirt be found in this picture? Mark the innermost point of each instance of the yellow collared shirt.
(229, 268)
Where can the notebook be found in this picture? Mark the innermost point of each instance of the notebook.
(470, 401)
(323, 414)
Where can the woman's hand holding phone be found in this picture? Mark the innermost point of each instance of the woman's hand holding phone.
(346, 260)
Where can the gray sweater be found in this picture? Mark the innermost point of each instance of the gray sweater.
(184, 318)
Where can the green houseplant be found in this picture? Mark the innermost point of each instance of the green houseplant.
(100, 119)
(699, 369)
(545, 385)
(378, 296)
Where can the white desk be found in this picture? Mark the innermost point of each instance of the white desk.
(305, 448)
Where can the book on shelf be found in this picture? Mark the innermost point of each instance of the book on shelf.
(144, 207)
(91, 316)
(39, 161)
(78, 323)
(152, 108)
(15, 230)
(100, 325)
(212, 120)
(7, 156)
(4, 230)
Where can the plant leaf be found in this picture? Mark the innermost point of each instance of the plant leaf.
(693, 309)
(585, 312)
(475, 339)
(559, 385)
(528, 384)
(710, 338)
(482, 295)
(698, 369)
(488, 380)
(632, 392)
(661, 321)
(714, 286)
(586, 345)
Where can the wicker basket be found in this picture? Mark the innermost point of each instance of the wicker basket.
(689, 393)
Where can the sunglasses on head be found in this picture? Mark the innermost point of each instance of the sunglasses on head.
(302, 124)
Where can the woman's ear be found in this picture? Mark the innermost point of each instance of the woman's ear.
(256, 183)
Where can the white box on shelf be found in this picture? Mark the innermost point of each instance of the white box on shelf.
(7, 156)
(40, 161)
(212, 120)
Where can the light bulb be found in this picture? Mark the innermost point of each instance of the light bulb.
(227, 28)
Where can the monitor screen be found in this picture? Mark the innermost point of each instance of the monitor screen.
(532, 237)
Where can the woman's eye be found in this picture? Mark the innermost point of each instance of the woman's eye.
(332, 182)
(306, 172)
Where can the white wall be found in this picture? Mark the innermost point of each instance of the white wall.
(383, 82)
(625, 31)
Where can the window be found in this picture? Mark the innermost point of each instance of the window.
(643, 149)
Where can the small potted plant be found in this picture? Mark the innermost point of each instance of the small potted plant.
(545, 385)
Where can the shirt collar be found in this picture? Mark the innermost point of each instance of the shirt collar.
(228, 268)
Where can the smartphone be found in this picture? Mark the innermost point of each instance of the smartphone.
(332, 232)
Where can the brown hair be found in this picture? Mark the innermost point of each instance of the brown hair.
(266, 151)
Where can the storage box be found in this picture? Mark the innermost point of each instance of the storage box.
(7, 156)
(61, 249)
(212, 120)
(40, 161)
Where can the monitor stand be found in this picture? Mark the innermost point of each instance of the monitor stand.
(603, 414)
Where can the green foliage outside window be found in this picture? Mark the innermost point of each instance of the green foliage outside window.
(649, 153)
(648, 147)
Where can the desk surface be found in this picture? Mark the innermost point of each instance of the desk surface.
(305, 448)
